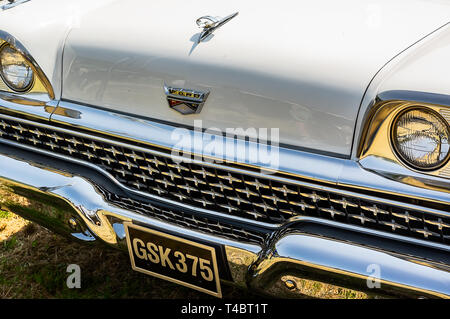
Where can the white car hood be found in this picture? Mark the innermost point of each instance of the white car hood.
(300, 66)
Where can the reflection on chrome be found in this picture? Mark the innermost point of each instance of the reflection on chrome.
(12, 4)
(393, 155)
(389, 216)
(422, 138)
(59, 198)
(15, 70)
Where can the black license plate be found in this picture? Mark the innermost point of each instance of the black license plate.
(173, 258)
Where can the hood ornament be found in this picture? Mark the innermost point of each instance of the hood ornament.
(12, 4)
(209, 24)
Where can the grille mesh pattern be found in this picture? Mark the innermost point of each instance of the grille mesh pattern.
(184, 219)
(227, 192)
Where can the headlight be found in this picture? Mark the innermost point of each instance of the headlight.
(421, 138)
(15, 70)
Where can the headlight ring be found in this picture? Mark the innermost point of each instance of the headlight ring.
(420, 138)
(15, 70)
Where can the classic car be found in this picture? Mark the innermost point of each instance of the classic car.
(236, 142)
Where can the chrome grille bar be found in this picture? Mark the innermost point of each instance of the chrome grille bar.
(220, 190)
(180, 218)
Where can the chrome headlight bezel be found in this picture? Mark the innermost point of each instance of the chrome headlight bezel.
(400, 154)
(376, 151)
(26, 61)
(41, 89)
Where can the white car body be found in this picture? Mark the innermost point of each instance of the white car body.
(323, 56)
(329, 76)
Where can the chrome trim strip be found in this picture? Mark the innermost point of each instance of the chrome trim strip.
(84, 198)
(400, 173)
(320, 168)
(350, 264)
(288, 222)
(317, 167)
(355, 228)
(414, 96)
(348, 168)
(161, 199)
(351, 174)
(31, 105)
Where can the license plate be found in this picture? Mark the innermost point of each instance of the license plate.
(173, 258)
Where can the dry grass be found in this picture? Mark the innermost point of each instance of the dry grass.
(33, 263)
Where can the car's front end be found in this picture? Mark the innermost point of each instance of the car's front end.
(286, 159)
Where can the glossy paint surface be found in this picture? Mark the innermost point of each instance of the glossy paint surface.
(42, 27)
(298, 66)
(425, 69)
(419, 74)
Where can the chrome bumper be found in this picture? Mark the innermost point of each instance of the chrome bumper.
(73, 206)
(303, 247)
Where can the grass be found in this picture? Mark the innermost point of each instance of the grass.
(4, 214)
(33, 264)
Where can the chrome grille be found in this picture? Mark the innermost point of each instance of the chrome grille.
(185, 219)
(221, 190)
